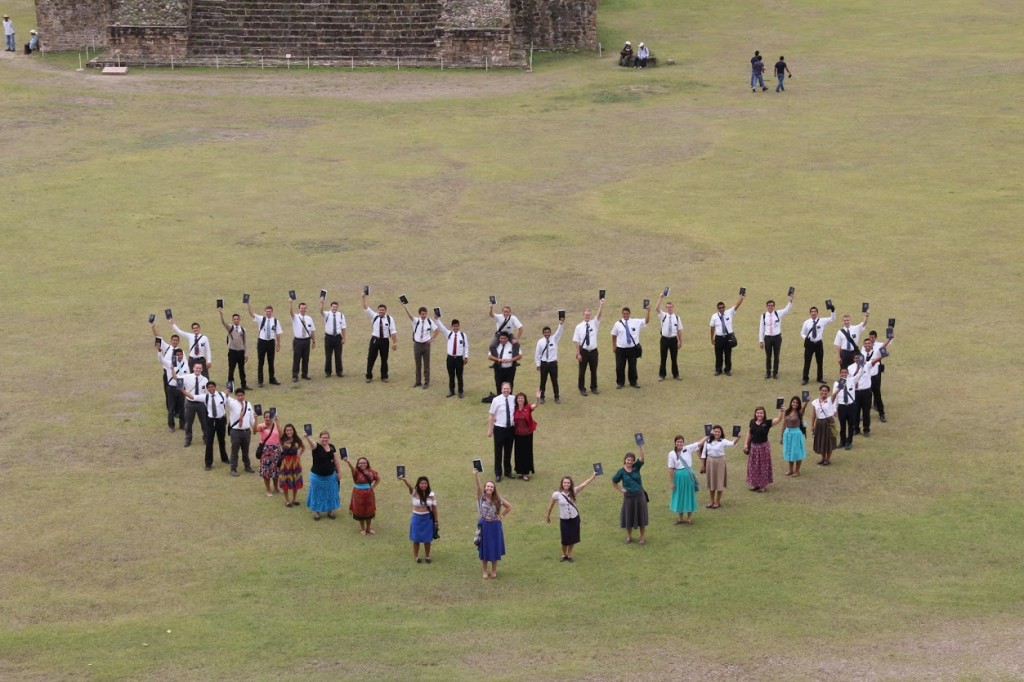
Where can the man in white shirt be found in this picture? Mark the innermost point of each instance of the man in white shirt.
(174, 366)
(546, 359)
(9, 35)
(382, 331)
(845, 391)
(813, 334)
(876, 376)
(722, 335)
(847, 340)
(862, 366)
(584, 337)
(194, 385)
(216, 421)
(268, 343)
(241, 417)
(499, 427)
(506, 322)
(769, 336)
(505, 355)
(238, 352)
(165, 355)
(303, 338)
(671, 338)
(334, 337)
(626, 346)
(457, 351)
(198, 346)
(423, 332)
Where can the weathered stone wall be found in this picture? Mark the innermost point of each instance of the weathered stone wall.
(148, 44)
(477, 47)
(555, 24)
(73, 24)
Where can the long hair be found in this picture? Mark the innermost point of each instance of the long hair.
(494, 499)
(572, 488)
(799, 405)
(422, 494)
(526, 401)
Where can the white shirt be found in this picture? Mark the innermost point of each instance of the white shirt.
(417, 502)
(455, 342)
(670, 324)
(215, 404)
(422, 329)
(869, 356)
(823, 410)
(843, 342)
(771, 323)
(502, 418)
(814, 330)
(716, 322)
(845, 396)
(197, 345)
(566, 505)
(632, 339)
(166, 352)
(716, 448)
(505, 352)
(196, 385)
(8, 28)
(862, 380)
(677, 459)
(270, 327)
(375, 324)
(509, 324)
(302, 326)
(547, 348)
(171, 368)
(334, 322)
(585, 340)
(240, 414)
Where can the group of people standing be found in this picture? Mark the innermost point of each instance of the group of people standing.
(838, 413)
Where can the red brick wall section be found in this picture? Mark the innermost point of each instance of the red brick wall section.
(73, 24)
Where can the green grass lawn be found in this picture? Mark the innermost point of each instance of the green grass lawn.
(887, 172)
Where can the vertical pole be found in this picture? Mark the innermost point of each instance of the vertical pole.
(261, 63)
(600, 50)
(442, 62)
(352, 63)
(172, 62)
(399, 63)
(79, 61)
(307, 63)
(216, 61)
(531, 57)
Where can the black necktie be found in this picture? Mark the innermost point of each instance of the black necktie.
(334, 323)
(508, 413)
(381, 326)
(814, 330)
(586, 337)
(724, 330)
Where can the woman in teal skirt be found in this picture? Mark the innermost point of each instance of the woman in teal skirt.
(793, 448)
(682, 480)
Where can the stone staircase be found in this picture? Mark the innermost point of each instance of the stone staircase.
(365, 31)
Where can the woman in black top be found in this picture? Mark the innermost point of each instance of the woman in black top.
(759, 451)
(324, 477)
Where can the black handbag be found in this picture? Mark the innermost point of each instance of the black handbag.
(730, 340)
(260, 448)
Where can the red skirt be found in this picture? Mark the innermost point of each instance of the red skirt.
(759, 465)
(363, 505)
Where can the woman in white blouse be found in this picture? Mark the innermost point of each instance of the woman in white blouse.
(423, 525)
(568, 514)
(713, 463)
(682, 480)
(823, 425)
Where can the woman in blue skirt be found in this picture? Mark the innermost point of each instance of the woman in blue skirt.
(682, 479)
(794, 450)
(424, 517)
(324, 477)
(493, 508)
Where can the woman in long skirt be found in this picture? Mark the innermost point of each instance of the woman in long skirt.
(713, 464)
(324, 477)
(424, 517)
(682, 480)
(759, 451)
(793, 448)
(823, 425)
(568, 513)
(289, 474)
(363, 504)
(523, 427)
(629, 482)
(492, 508)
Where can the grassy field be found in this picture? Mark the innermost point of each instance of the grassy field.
(887, 172)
